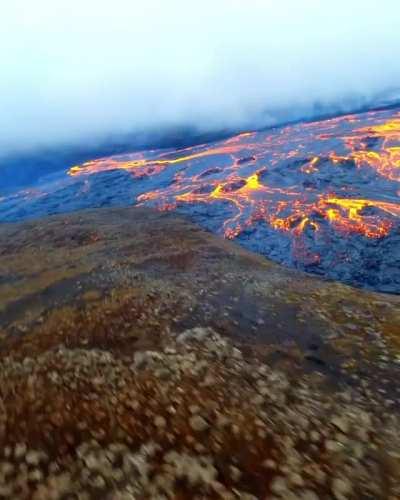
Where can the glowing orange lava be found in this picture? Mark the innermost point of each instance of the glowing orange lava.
(340, 174)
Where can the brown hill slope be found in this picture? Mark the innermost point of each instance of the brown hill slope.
(142, 357)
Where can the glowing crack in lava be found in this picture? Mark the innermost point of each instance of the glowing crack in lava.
(321, 196)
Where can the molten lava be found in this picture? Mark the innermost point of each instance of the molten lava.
(322, 196)
(274, 176)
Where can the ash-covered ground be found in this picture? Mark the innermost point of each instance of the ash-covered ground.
(321, 197)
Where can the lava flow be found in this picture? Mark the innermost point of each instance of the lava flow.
(321, 196)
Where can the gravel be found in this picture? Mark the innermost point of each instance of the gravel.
(78, 436)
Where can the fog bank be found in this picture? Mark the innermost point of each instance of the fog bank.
(74, 71)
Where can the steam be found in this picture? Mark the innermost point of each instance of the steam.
(77, 70)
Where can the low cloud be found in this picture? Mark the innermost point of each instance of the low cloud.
(78, 70)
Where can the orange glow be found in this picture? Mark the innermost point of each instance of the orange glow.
(244, 171)
(311, 167)
(347, 216)
(252, 183)
(386, 161)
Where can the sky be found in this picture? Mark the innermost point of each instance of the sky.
(74, 71)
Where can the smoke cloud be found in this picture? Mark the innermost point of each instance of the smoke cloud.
(76, 70)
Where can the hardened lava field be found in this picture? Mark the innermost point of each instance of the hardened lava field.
(321, 196)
